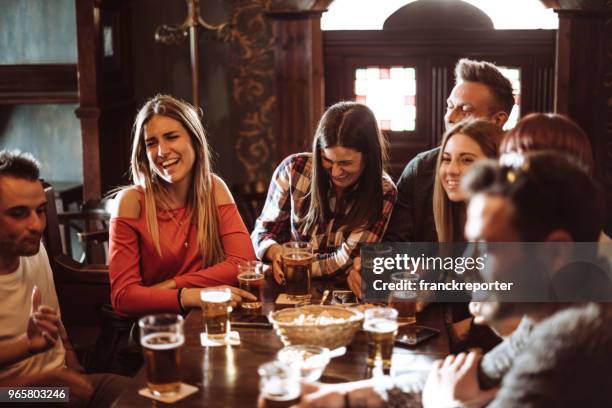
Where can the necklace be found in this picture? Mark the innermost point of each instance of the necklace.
(179, 225)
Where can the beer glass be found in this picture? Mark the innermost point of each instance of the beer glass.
(380, 325)
(161, 337)
(279, 384)
(297, 267)
(251, 279)
(404, 299)
(216, 309)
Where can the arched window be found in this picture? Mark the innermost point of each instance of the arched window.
(400, 63)
(371, 14)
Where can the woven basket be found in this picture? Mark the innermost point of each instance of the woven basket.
(335, 328)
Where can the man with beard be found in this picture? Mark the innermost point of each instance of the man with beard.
(559, 356)
(36, 350)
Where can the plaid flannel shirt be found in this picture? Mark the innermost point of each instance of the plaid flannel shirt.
(280, 219)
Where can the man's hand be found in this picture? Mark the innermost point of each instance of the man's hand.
(72, 360)
(454, 382)
(354, 277)
(43, 325)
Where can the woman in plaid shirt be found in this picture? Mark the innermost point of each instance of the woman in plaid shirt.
(337, 197)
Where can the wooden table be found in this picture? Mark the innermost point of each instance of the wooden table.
(227, 376)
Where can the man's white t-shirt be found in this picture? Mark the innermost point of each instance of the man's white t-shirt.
(15, 305)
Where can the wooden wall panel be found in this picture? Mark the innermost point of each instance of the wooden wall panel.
(38, 83)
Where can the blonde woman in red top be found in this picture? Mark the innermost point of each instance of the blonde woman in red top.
(177, 228)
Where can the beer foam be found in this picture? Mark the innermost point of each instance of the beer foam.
(162, 341)
(215, 296)
(380, 325)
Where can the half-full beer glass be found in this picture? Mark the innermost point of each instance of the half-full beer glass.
(251, 279)
(279, 384)
(161, 337)
(216, 309)
(404, 297)
(380, 325)
(297, 267)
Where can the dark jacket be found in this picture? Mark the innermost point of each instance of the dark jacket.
(412, 219)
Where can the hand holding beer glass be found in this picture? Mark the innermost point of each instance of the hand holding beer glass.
(380, 325)
(162, 337)
(216, 309)
(251, 279)
(297, 258)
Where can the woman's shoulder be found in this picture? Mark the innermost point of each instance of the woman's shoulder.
(300, 160)
(127, 203)
(223, 195)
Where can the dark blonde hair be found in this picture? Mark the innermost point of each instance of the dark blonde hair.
(449, 216)
(201, 198)
(487, 74)
(351, 125)
(549, 131)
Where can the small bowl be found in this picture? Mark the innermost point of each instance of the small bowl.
(311, 360)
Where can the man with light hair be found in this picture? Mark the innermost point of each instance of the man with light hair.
(481, 91)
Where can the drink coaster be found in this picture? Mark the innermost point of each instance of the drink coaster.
(185, 391)
(232, 340)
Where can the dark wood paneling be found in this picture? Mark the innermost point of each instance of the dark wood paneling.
(106, 107)
(38, 83)
(434, 55)
(299, 78)
(584, 84)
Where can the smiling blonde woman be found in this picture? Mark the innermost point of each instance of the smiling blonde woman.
(463, 145)
(177, 229)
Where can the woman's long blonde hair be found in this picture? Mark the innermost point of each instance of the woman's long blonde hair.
(449, 216)
(201, 198)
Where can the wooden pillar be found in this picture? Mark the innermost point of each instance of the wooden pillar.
(106, 105)
(298, 48)
(582, 91)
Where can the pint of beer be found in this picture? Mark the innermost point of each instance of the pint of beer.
(161, 337)
(216, 309)
(279, 384)
(251, 279)
(404, 297)
(297, 266)
(380, 325)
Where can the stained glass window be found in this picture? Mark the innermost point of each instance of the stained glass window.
(514, 75)
(391, 94)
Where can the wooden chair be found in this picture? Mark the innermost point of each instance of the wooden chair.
(84, 294)
(81, 288)
(91, 225)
